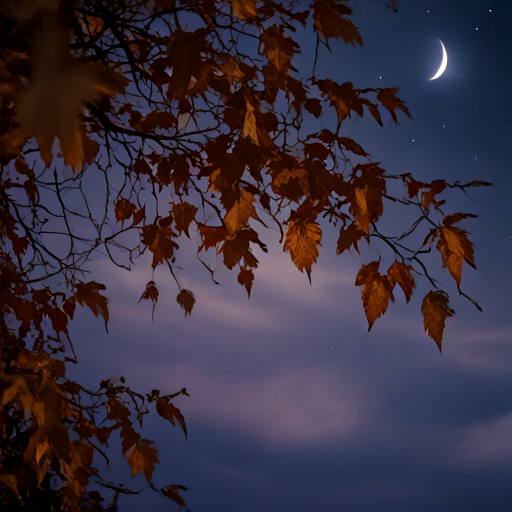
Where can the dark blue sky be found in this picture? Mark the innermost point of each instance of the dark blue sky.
(293, 405)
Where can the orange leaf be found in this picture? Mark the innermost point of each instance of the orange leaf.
(348, 237)
(330, 21)
(186, 300)
(171, 492)
(377, 291)
(142, 458)
(160, 243)
(151, 292)
(435, 311)
(455, 248)
(244, 9)
(60, 86)
(401, 273)
(124, 210)
(184, 213)
(388, 100)
(169, 412)
(88, 294)
(302, 240)
(245, 278)
(211, 235)
(240, 213)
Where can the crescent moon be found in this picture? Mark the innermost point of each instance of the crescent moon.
(443, 65)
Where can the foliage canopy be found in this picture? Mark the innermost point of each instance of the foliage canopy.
(176, 117)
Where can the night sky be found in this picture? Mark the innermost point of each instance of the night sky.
(293, 406)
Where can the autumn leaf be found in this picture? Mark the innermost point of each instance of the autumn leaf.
(435, 311)
(377, 290)
(172, 492)
(170, 412)
(389, 101)
(59, 88)
(88, 294)
(160, 242)
(430, 191)
(142, 459)
(455, 248)
(186, 300)
(151, 292)
(330, 21)
(124, 210)
(240, 213)
(211, 235)
(244, 9)
(400, 273)
(349, 237)
(302, 240)
(184, 213)
(245, 278)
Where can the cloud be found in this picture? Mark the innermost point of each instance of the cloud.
(295, 407)
(485, 443)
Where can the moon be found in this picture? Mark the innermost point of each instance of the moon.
(443, 65)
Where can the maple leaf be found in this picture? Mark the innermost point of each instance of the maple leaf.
(88, 294)
(159, 241)
(240, 213)
(455, 248)
(49, 106)
(435, 311)
(245, 278)
(169, 412)
(377, 290)
(186, 300)
(172, 492)
(151, 292)
(401, 273)
(388, 100)
(142, 459)
(302, 240)
(184, 213)
(124, 210)
(428, 194)
(330, 21)
(244, 9)
(366, 206)
(348, 237)
(211, 235)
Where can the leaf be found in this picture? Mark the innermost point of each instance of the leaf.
(60, 86)
(348, 237)
(245, 278)
(142, 459)
(151, 292)
(302, 240)
(377, 290)
(184, 213)
(435, 311)
(450, 220)
(455, 248)
(160, 242)
(186, 300)
(211, 235)
(244, 9)
(172, 492)
(124, 210)
(388, 100)
(353, 146)
(314, 106)
(428, 194)
(169, 412)
(88, 294)
(401, 273)
(240, 213)
(330, 21)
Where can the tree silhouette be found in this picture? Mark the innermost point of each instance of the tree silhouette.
(173, 117)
